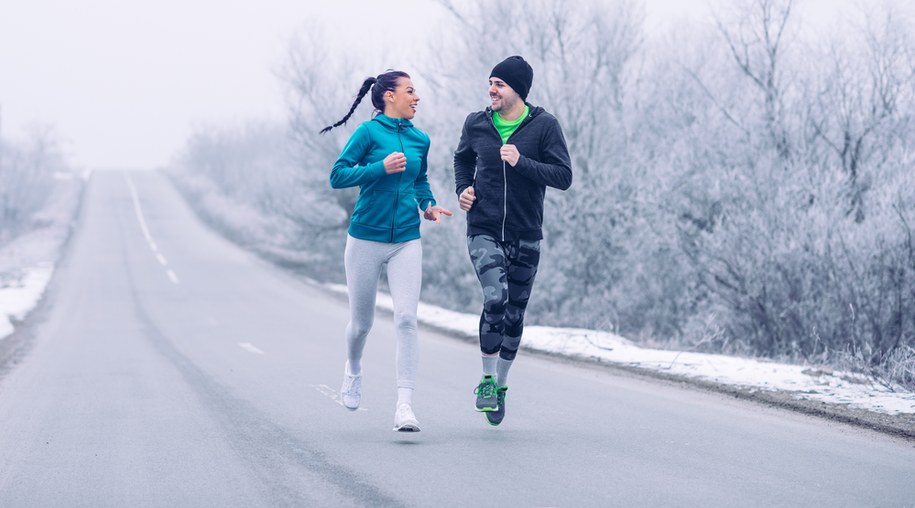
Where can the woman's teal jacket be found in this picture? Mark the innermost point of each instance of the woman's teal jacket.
(388, 206)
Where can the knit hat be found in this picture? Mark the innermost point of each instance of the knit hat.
(515, 72)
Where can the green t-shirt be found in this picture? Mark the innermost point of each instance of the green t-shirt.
(505, 127)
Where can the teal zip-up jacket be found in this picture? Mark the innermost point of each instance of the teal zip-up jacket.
(388, 206)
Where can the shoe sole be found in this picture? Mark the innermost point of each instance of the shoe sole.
(407, 427)
(486, 409)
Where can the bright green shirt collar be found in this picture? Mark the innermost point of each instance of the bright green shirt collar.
(505, 127)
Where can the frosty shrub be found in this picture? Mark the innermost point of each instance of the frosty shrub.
(27, 172)
(739, 185)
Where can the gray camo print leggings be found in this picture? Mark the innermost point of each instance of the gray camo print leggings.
(506, 271)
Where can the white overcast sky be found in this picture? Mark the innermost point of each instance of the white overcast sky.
(124, 82)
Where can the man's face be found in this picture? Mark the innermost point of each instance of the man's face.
(503, 97)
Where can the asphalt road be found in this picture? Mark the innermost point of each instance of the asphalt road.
(171, 368)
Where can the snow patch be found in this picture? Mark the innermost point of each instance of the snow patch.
(803, 382)
(20, 292)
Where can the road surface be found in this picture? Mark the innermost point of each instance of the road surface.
(171, 368)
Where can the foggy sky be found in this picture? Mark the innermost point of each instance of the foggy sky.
(124, 85)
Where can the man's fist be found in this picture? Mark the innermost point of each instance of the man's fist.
(467, 198)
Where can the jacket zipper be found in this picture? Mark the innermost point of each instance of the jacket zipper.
(504, 199)
(397, 191)
(504, 181)
(504, 173)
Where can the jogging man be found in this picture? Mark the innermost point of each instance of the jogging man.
(508, 155)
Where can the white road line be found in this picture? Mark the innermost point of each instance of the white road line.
(137, 209)
(172, 276)
(142, 220)
(332, 394)
(247, 346)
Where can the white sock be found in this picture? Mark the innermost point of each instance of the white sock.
(502, 367)
(489, 364)
(405, 396)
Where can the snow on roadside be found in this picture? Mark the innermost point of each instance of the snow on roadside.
(20, 292)
(27, 263)
(803, 382)
(22, 289)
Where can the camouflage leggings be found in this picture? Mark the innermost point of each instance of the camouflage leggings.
(506, 271)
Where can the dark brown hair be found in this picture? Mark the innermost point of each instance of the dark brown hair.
(379, 85)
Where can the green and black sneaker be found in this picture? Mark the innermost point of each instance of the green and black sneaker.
(495, 417)
(487, 400)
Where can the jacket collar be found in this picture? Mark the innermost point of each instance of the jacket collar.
(393, 123)
(533, 110)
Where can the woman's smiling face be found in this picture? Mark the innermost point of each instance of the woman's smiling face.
(402, 101)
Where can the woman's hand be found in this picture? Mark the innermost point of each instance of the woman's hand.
(396, 162)
(434, 213)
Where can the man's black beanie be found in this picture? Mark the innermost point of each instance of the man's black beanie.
(515, 72)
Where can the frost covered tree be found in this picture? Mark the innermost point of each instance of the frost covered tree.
(27, 172)
(738, 185)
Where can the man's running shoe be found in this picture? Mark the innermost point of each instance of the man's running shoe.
(486, 394)
(405, 420)
(495, 417)
(351, 391)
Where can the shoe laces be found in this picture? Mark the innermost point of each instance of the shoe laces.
(485, 389)
(405, 412)
(351, 382)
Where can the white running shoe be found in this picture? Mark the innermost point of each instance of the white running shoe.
(351, 391)
(405, 420)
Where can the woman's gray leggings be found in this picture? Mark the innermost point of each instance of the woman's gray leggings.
(364, 260)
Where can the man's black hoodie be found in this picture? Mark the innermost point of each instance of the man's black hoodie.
(509, 200)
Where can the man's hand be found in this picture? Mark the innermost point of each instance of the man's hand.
(433, 213)
(467, 198)
(396, 162)
(510, 154)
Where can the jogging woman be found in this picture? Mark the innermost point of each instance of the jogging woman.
(387, 158)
